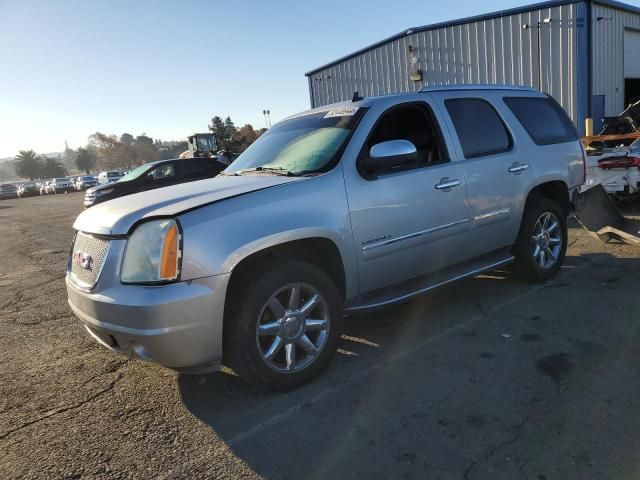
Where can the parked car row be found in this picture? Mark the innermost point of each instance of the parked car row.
(56, 185)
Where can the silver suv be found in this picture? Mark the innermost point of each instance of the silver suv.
(339, 209)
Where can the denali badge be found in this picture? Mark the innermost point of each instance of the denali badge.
(83, 260)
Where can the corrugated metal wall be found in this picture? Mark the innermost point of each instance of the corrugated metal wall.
(608, 54)
(489, 51)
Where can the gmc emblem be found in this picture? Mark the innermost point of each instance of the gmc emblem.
(83, 260)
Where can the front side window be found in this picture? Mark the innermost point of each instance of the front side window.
(136, 172)
(415, 123)
(303, 145)
(544, 120)
(480, 129)
(161, 172)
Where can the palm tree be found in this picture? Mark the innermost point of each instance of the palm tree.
(28, 164)
(52, 168)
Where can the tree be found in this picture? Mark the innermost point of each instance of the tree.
(85, 160)
(219, 131)
(106, 147)
(146, 151)
(126, 138)
(28, 164)
(243, 137)
(52, 168)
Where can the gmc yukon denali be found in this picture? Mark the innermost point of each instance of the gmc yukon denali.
(343, 208)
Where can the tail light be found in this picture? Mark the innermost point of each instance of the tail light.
(584, 162)
(619, 162)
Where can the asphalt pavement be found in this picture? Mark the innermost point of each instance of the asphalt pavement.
(489, 378)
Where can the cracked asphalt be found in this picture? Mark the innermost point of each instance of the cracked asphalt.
(490, 378)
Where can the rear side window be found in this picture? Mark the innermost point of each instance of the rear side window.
(544, 120)
(480, 129)
(193, 168)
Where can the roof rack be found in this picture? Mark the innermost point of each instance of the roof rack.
(477, 86)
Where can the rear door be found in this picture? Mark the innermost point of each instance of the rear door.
(496, 166)
(199, 168)
(412, 220)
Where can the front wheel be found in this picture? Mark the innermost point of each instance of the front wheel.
(283, 324)
(542, 242)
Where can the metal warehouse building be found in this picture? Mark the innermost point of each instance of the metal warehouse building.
(585, 53)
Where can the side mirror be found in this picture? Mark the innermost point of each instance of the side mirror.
(390, 154)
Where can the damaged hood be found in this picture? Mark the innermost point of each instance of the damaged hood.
(116, 217)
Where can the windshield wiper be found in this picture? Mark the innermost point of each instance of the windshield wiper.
(272, 170)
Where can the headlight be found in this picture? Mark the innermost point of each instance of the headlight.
(103, 191)
(153, 253)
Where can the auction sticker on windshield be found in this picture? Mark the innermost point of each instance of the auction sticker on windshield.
(342, 112)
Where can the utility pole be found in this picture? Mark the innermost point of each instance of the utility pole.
(267, 117)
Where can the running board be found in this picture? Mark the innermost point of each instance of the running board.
(416, 286)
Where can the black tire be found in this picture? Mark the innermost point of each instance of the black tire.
(525, 264)
(249, 293)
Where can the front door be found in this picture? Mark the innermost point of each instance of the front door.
(411, 220)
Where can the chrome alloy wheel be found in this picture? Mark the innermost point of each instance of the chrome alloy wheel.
(546, 242)
(293, 327)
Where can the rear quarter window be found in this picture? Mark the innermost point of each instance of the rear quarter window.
(544, 120)
(480, 129)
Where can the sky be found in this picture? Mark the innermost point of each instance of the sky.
(69, 68)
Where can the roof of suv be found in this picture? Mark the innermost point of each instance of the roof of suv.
(476, 86)
(368, 101)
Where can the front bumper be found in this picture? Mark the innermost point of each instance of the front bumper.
(177, 325)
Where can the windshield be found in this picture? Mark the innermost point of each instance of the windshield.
(204, 143)
(113, 174)
(301, 145)
(135, 173)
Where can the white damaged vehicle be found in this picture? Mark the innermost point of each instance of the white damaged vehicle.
(617, 170)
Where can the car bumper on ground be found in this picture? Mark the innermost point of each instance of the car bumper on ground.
(177, 325)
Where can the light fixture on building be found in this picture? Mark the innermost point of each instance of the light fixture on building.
(415, 75)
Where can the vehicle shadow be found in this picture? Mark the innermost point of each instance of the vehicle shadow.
(368, 337)
(378, 396)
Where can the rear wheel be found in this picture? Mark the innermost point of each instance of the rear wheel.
(283, 324)
(542, 242)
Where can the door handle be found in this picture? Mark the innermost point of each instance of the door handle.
(447, 184)
(518, 167)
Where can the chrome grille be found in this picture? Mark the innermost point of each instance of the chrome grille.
(87, 259)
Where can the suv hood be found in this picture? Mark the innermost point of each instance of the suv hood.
(98, 187)
(117, 216)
